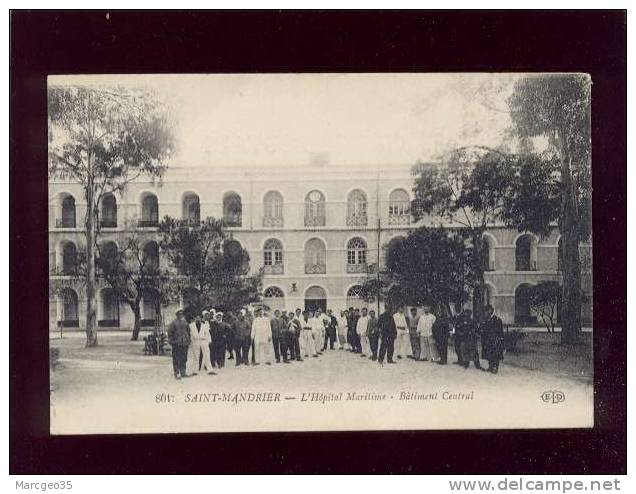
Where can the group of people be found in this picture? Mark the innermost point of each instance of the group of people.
(204, 343)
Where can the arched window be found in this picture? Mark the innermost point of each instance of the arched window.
(356, 255)
(232, 209)
(273, 209)
(109, 309)
(68, 307)
(108, 211)
(353, 297)
(274, 298)
(315, 257)
(523, 313)
(149, 211)
(488, 254)
(108, 257)
(315, 298)
(150, 257)
(399, 207)
(315, 214)
(357, 208)
(68, 213)
(69, 259)
(150, 308)
(191, 209)
(273, 257)
(526, 253)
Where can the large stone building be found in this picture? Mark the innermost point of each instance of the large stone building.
(315, 230)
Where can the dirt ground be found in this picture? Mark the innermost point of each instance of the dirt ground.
(114, 388)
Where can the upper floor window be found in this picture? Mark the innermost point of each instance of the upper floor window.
(356, 256)
(273, 209)
(67, 219)
(232, 209)
(488, 253)
(399, 207)
(273, 256)
(108, 257)
(191, 209)
(357, 208)
(526, 253)
(315, 257)
(69, 258)
(150, 259)
(315, 209)
(149, 210)
(108, 211)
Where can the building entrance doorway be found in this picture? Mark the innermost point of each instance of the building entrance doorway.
(315, 298)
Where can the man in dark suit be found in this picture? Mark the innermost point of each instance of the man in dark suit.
(466, 330)
(492, 339)
(179, 336)
(441, 330)
(388, 333)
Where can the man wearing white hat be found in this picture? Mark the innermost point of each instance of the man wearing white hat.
(199, 349)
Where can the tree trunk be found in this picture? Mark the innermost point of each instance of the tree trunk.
(91, 288)
(137, 325)
(478, 290)
(571, 302)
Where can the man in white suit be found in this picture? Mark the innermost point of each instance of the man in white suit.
(262, 338)
(199, 349)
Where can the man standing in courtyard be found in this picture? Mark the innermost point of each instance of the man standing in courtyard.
(308, 344)
(467, 332)
(425, 331)
(318, 329)
(354, 315)
(242, 341)
(492, 339)
(373, 332)
(386, 324)
(361, 332)
(278, 338)
(441, 330)
(412, 322)
(179, 337)
(402, 340)
(262, 337)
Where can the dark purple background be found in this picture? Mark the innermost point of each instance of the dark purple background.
(206, 41)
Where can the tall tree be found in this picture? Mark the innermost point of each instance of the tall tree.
(104, 138)
(468, 189)
(557, 107)
(429, 266)
(133, 271)
(206, 260)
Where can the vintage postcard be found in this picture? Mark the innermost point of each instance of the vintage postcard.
(319, 252)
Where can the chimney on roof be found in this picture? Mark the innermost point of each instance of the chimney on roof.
(319, 159)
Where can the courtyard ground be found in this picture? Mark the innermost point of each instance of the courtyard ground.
(114, 388)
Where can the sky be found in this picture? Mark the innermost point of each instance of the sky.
(269, 119)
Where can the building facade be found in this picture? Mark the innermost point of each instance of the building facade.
(317, 231)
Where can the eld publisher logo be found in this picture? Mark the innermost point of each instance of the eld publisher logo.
(553, 396)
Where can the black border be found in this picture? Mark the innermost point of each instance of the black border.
(49, 42)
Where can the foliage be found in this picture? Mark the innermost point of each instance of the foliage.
(103, 138)
(533, 202)
(131, 272)
(212, 266)
(557, 108)
(544, 299)
(469, 188)
(429, 266)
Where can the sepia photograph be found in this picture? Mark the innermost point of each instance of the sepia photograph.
(319, 252)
